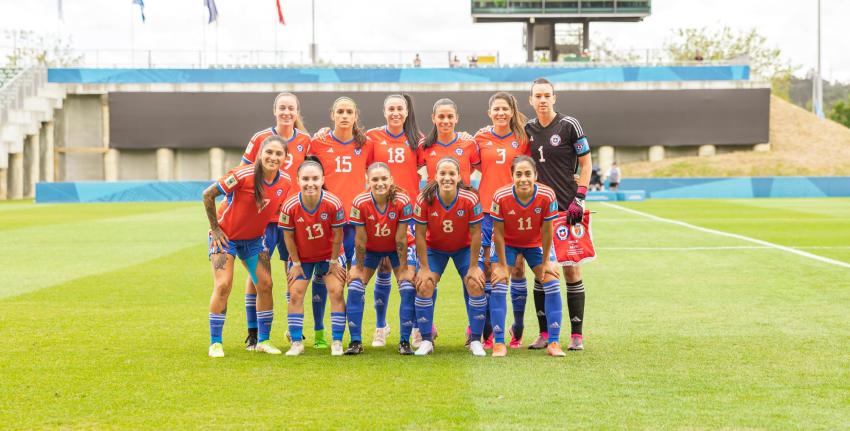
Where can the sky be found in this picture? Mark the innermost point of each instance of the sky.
(393, 30)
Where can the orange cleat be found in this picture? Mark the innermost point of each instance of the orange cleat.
(554, 349)
(499, 350)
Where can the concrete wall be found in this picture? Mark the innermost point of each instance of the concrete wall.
(79, 125)
(192, 165)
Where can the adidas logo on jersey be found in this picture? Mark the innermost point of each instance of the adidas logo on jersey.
(434, 214)
(489, 144)
(330, 150)
(575, 319)
(433, 153)
(383, 142)
(371, 217)
(511, 212)
(300, 220)
(555, 325)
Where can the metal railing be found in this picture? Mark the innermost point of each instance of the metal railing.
(574, 7)
(22, 85)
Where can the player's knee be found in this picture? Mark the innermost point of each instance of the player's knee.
(517, 272)
(572, 273)
(222, 288)
(474, 290)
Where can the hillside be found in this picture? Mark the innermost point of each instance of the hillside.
(801, 144)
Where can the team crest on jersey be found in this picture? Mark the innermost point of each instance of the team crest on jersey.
(357, 151)
(460, 213)
(355, 213)
(300, 148)
(323, 216)
(577, 230)
(391, 215)
(459, 151)
(537, 210)
(284, 218)
(230, 181)
(515, 144)
(563, 233)
(555, 140)
(279, 192)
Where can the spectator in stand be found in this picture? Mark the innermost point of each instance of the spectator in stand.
(455, 62)
(417, 62)
(595, 179)
(698, 56)
(614, 177)
(473, 61)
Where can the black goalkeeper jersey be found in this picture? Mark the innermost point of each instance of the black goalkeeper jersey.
(556, 149)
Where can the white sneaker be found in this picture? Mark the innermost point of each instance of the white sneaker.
(336, 348)
(296, 349)
(415, 338)
(426, 348)
(476, 348)
(216, 350)
(380, 339)
(266, 347)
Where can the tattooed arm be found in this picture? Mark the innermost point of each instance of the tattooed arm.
(219, 239)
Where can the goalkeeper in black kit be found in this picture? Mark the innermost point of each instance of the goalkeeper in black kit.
(560, 148)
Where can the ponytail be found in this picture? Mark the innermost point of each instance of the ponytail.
(432, 136)
(259, 171)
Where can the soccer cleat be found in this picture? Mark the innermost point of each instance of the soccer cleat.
(576, 342)
(266, 347)
(415, 338)
(426, 348)
(216, 350)
(516, 343)
(500, 350)
(404, 348)
(468, 337)
(554, 349)
(380, 339)
(296, 349)
(488, 343)
(251, 342)
(320, 342)
(541, 341)
(476, 348)
(336, 348)
(354, 348)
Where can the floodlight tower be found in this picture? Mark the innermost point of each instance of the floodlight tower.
(817, 97)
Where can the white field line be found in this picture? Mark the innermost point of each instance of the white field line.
(732, 235)
(722, 247)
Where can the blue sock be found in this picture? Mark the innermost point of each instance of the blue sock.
(216, 327)
(320, 299)
(354, 309)
(478, 315)
(424, 316)
(383, 285)
(466, 303)
(498, 309)
(264, 320)
(406, 310)
(337, 325)
(554, 309)
(519, 293)
(251, 264)
(296, 326)
(251, 310)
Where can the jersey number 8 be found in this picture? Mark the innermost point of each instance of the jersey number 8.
(448, 226)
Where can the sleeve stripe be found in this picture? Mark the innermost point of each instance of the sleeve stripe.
(496, 218)
(472, 223)
(340, 224)
(220, 188)
(287, 228)
(246, 160)
(355, 223)
(577, 126)
(420, 222)
(553, 217)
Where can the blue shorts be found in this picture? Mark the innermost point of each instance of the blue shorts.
(373, 259)
(532, 255)
(241, 248)
(348, 233)
(273, 238)
(487, 231)
(437, 260)
(319, 269)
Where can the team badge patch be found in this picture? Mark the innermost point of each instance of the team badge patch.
(563, 233)
(340, 214)
(391, 215)
(406, 211)
(577, 230)
(476, 209)
(355, 213)
(459, 151)
(230, 181)
(300, 148)
(357, 151)
(515, 144)
(323, 216)
(284, 218)
(537, 210)
(279, 192)
(460, 213)
(555, 140)
(553, 206)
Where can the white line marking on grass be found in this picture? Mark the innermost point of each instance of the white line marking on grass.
(731, 235)
(721, 247)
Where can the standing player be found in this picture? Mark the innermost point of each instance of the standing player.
(498, 145)
(290, 128)
(522, 226)
(254, 193)
(448, 217)
(443, 142)
(381, 217)
(559, 147)
(394, 145)
(312, 221)
(344, 154)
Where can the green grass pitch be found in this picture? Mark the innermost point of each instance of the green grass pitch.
(103, 325)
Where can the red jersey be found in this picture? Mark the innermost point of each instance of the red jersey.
(313, 230)
(464, 151)
(344, 165)
(497, 153)
(523, 222)
(240, 219)
(380, 226)
(448, 225)
(396, 153)
(297, 146)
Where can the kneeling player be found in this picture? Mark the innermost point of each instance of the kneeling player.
(312, 221)
(522, 215)
(254, 193)
(448, 226)
(381, 218)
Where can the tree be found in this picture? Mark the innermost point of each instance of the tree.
(725, 45)
(841, 112)
(30, 48)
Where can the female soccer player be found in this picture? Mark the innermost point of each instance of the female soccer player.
(288, 125)
(394, 145)
(498, 145)
(448, 217)
(443, 142)
(381, 217)
(559, 146)
(522, 225)
(312, 221)
(254, 193)
(344, 154)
